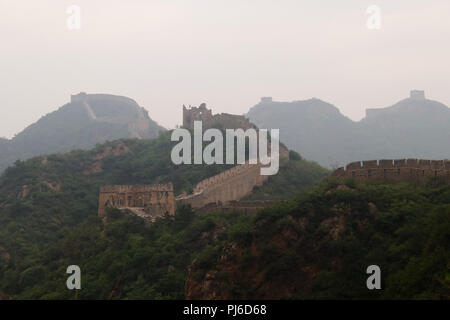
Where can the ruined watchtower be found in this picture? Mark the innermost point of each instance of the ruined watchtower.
(417, 95)
(196, 114)
(209, 120)
(147, 201)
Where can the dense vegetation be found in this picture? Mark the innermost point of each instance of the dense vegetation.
(122, 259)
(293, 177)
(299, 246)
(319, 244)
(48, 220)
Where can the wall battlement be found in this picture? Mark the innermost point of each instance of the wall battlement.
(222, 120)
(266, 100)
(151, 200)
(400, 170)
(80, 97)
(222, 177)
(85, 97)
(417, 94)
(230, 185)
(137, 188)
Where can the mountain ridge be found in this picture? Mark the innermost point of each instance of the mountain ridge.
(413, 127)
(86, 120)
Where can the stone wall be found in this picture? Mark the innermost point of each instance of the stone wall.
(230, 185)
(417, 94)
(401, 170)
(220, 121)
(249, 207)
(153, 200)
(218, 191)
(84, 97)
(131, 115)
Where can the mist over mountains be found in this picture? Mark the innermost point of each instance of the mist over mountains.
(414, 127)
(314, 241)
(88, 119)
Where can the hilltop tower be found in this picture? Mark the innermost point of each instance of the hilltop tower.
(266, 100)
(147, 201)
(82, 96)
(417, 95)
(221, 121)
(196, 114)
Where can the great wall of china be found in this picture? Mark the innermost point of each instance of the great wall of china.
(225, 190)
(210, 120)
(218, 192)
(230, 185)
(146, 201)
(137, 121)
(401, 170)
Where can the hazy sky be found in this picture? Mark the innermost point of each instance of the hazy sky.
(227, 53)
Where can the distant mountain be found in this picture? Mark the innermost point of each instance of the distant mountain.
(412, 128)
(87, 120)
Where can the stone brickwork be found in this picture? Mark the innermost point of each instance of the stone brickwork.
(230, 185)
(249, 207)
(147, 201)
(235, 183)
(220, 121)
(401, 170)
(222, 191)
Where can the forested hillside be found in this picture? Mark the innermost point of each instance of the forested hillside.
(48, 216)
(319, 244)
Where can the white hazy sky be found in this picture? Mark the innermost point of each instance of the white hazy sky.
(227, 53)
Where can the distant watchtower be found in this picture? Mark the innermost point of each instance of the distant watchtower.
(152, 200)
(266, 100)
(417, 94)
(196, 114)
(82, 96)
(221, 121)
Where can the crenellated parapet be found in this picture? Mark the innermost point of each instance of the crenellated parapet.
(137, 188)
(210, 120)
(399, 170)
(230, 185)
(154, 200)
